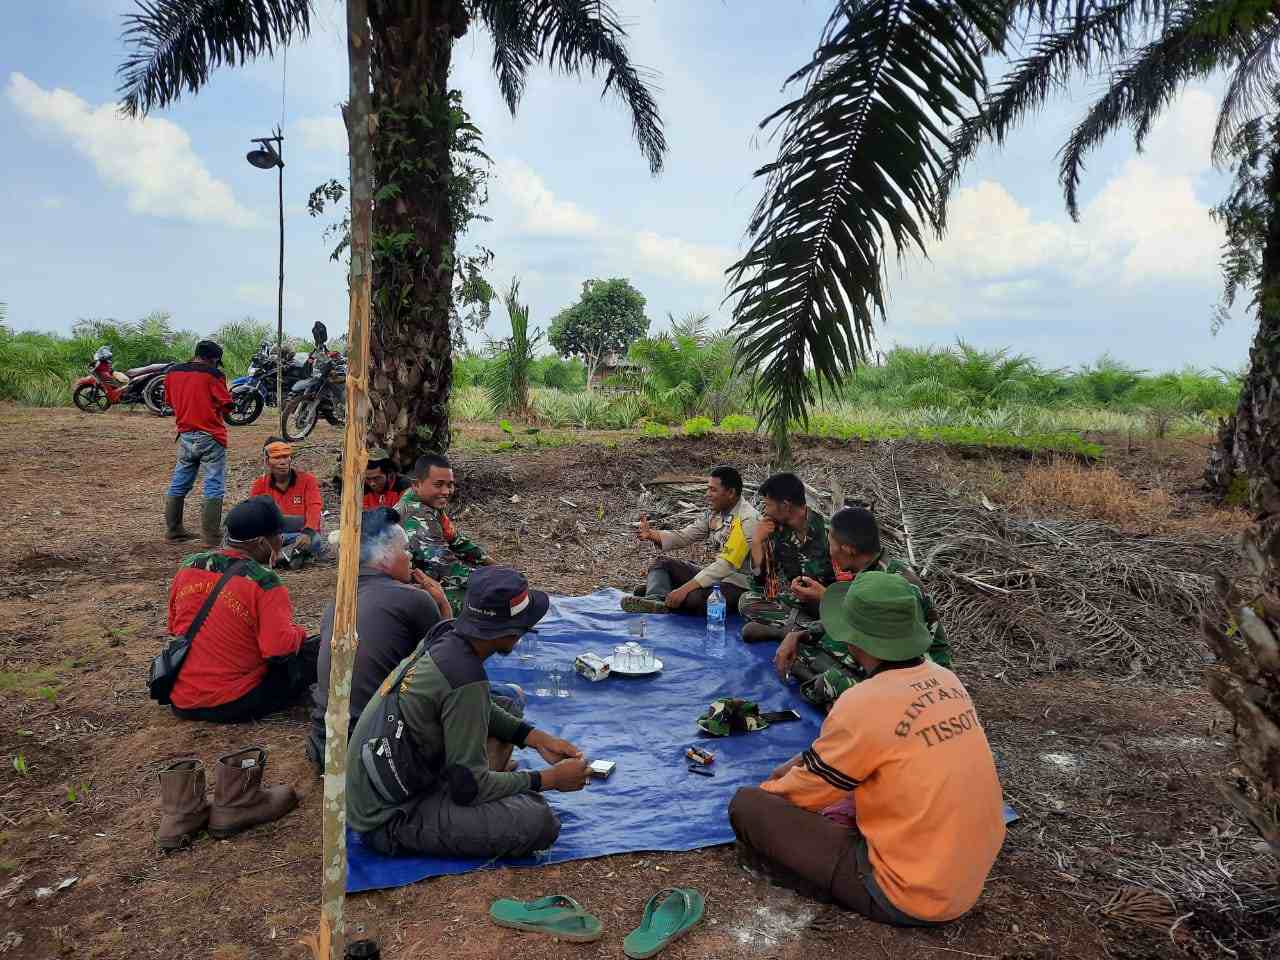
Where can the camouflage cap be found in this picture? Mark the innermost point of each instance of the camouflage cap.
(731, 715)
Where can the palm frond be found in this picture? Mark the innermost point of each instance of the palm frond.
(859, 156)
(1251, 89)
(575, 36)
(507, 375)
(1188, 48)
(175, 44)
(1074, 38)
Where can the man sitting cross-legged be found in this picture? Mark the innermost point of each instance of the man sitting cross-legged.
(677, 586)
(904, 753)
(249, 658)
(396, 607)
(825, 666)
(790, 541)
(454, 793)
(439, 549)
(297, 494)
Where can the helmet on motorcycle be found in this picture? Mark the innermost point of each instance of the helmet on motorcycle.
(209, 351)
(103, 353)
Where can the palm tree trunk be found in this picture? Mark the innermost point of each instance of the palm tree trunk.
(411, 363)
(1246, 678)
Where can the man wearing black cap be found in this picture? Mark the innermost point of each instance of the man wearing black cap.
(197, 391)
(454, 793)
(396, 606)
(249, 658)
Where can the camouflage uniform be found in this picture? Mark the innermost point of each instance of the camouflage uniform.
(789, 555)
(438, 548)
(826, 667)
(731, 715)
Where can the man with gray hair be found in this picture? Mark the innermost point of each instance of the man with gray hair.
(396, 607)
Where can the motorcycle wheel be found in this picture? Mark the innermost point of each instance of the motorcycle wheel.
(154, 399)
(300, 418)
(247, 408)
(91, 398)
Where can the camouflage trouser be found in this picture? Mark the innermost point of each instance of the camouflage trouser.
(452, 575)
(824, 675)
(760, 609)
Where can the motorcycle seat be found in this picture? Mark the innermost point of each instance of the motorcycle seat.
(143, 371)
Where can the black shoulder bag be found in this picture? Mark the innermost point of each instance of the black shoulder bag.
(166, 665)
(388, 755)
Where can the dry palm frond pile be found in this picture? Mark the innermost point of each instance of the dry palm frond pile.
(1033, 594)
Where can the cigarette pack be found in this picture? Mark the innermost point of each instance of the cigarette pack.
(591, 666)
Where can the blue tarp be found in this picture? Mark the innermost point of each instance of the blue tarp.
(652, 801)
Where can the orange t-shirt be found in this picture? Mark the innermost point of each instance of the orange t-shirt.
(908, 743)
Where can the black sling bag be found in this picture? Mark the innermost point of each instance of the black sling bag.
(168, 662)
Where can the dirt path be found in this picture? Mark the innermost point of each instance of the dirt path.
(1113, 779)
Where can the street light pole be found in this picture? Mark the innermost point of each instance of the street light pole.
(264, 158)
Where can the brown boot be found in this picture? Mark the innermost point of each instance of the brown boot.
(753, 632)
(184, 811)
(239, 799)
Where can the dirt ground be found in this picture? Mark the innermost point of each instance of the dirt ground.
(1113, 777)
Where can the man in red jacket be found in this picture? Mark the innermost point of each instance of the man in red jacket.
(297, 494)
(197, 391)
(382, 485)
(249, 658)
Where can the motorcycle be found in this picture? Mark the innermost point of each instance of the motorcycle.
(323, 394)
(256, 390)
(105, 386)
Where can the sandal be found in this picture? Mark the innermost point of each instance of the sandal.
(557, 916)
(668, 915)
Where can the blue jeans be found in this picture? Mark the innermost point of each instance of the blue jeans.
(196, 448)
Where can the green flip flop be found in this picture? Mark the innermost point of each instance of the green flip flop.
(556, 916)
(668, 915)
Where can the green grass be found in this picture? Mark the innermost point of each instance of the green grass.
(43, 683)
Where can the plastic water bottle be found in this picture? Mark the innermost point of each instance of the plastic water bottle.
(715, 623)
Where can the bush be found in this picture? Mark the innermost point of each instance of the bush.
(698, 426)
(652, 429)
(471, 404)
(737, 423)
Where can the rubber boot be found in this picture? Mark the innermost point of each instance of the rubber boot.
(753, 632)
(184, 811)
(173, 529)
(239, 799)
(211, 523)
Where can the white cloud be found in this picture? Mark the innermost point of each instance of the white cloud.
(324, 133)
(541, 213)
(697, 262)
(150, 158)
(989, 234)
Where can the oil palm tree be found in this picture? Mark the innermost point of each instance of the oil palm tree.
(175, 44)
(1149, 52)
(506, 379)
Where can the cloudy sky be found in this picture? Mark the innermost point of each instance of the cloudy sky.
(107, 217)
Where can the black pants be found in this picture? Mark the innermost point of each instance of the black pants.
(809, 853)
(286, 681)
(668, 573)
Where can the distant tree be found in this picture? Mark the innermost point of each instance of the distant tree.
(607, 319)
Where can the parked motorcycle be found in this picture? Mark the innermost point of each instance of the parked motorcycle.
(105, 386)
(256, 390)
(324, 394)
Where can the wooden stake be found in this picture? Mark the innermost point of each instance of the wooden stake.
(332, 934)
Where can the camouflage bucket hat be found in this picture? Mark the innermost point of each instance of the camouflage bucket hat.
(730, 715)
(879, 613)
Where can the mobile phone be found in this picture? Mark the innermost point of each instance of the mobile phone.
(601, 768)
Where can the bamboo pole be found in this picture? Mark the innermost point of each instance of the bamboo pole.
(332, 934)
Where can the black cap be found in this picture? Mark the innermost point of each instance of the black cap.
(255, 517)
(208, 350)
(499, 602)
